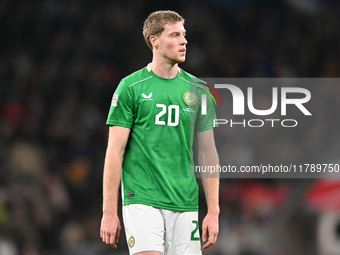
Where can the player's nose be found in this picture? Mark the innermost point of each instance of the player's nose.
(184, 40)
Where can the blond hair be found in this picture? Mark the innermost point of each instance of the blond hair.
(154, 24)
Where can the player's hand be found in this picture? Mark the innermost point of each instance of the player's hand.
(110, 230)
(209, 230)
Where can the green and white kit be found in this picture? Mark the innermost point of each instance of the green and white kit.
(163, 115)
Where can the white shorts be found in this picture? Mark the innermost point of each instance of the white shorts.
(151, 229)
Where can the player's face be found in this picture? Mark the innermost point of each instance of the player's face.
(172, 43)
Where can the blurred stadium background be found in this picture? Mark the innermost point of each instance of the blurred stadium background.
(60, 61)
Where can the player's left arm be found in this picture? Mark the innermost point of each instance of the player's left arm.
(207, 156)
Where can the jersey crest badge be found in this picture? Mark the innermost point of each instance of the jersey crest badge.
(190, 98)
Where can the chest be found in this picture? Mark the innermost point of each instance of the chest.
(166, 104)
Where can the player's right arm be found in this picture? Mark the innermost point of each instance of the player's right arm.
(110, 224)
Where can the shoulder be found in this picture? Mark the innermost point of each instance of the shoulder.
(193, 80)
(136, 77)
(184, 74)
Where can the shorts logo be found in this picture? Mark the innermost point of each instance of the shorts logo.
(131, 242)
(190, 98)
(114, 100)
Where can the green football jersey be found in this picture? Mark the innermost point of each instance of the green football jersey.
(163, 115)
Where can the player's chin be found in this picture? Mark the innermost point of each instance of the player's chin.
(177, 59)
(180, 59)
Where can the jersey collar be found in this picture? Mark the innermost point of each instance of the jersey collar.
(148, 67)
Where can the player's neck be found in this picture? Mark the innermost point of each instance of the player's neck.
(163, 69)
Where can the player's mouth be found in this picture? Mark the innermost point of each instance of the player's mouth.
(182, 51)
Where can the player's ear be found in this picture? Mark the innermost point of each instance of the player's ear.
(154, 41)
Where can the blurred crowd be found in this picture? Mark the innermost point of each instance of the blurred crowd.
(60, 61)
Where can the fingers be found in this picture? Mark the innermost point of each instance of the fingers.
(204, 233)
(110, 239)
(110, 233)
(114, 246)
(208, 236)
(117, 235)
(210, 242)
(207, 245)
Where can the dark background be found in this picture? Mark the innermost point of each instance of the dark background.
(60, 62)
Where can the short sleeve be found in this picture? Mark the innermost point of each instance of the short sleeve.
(122, 108)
